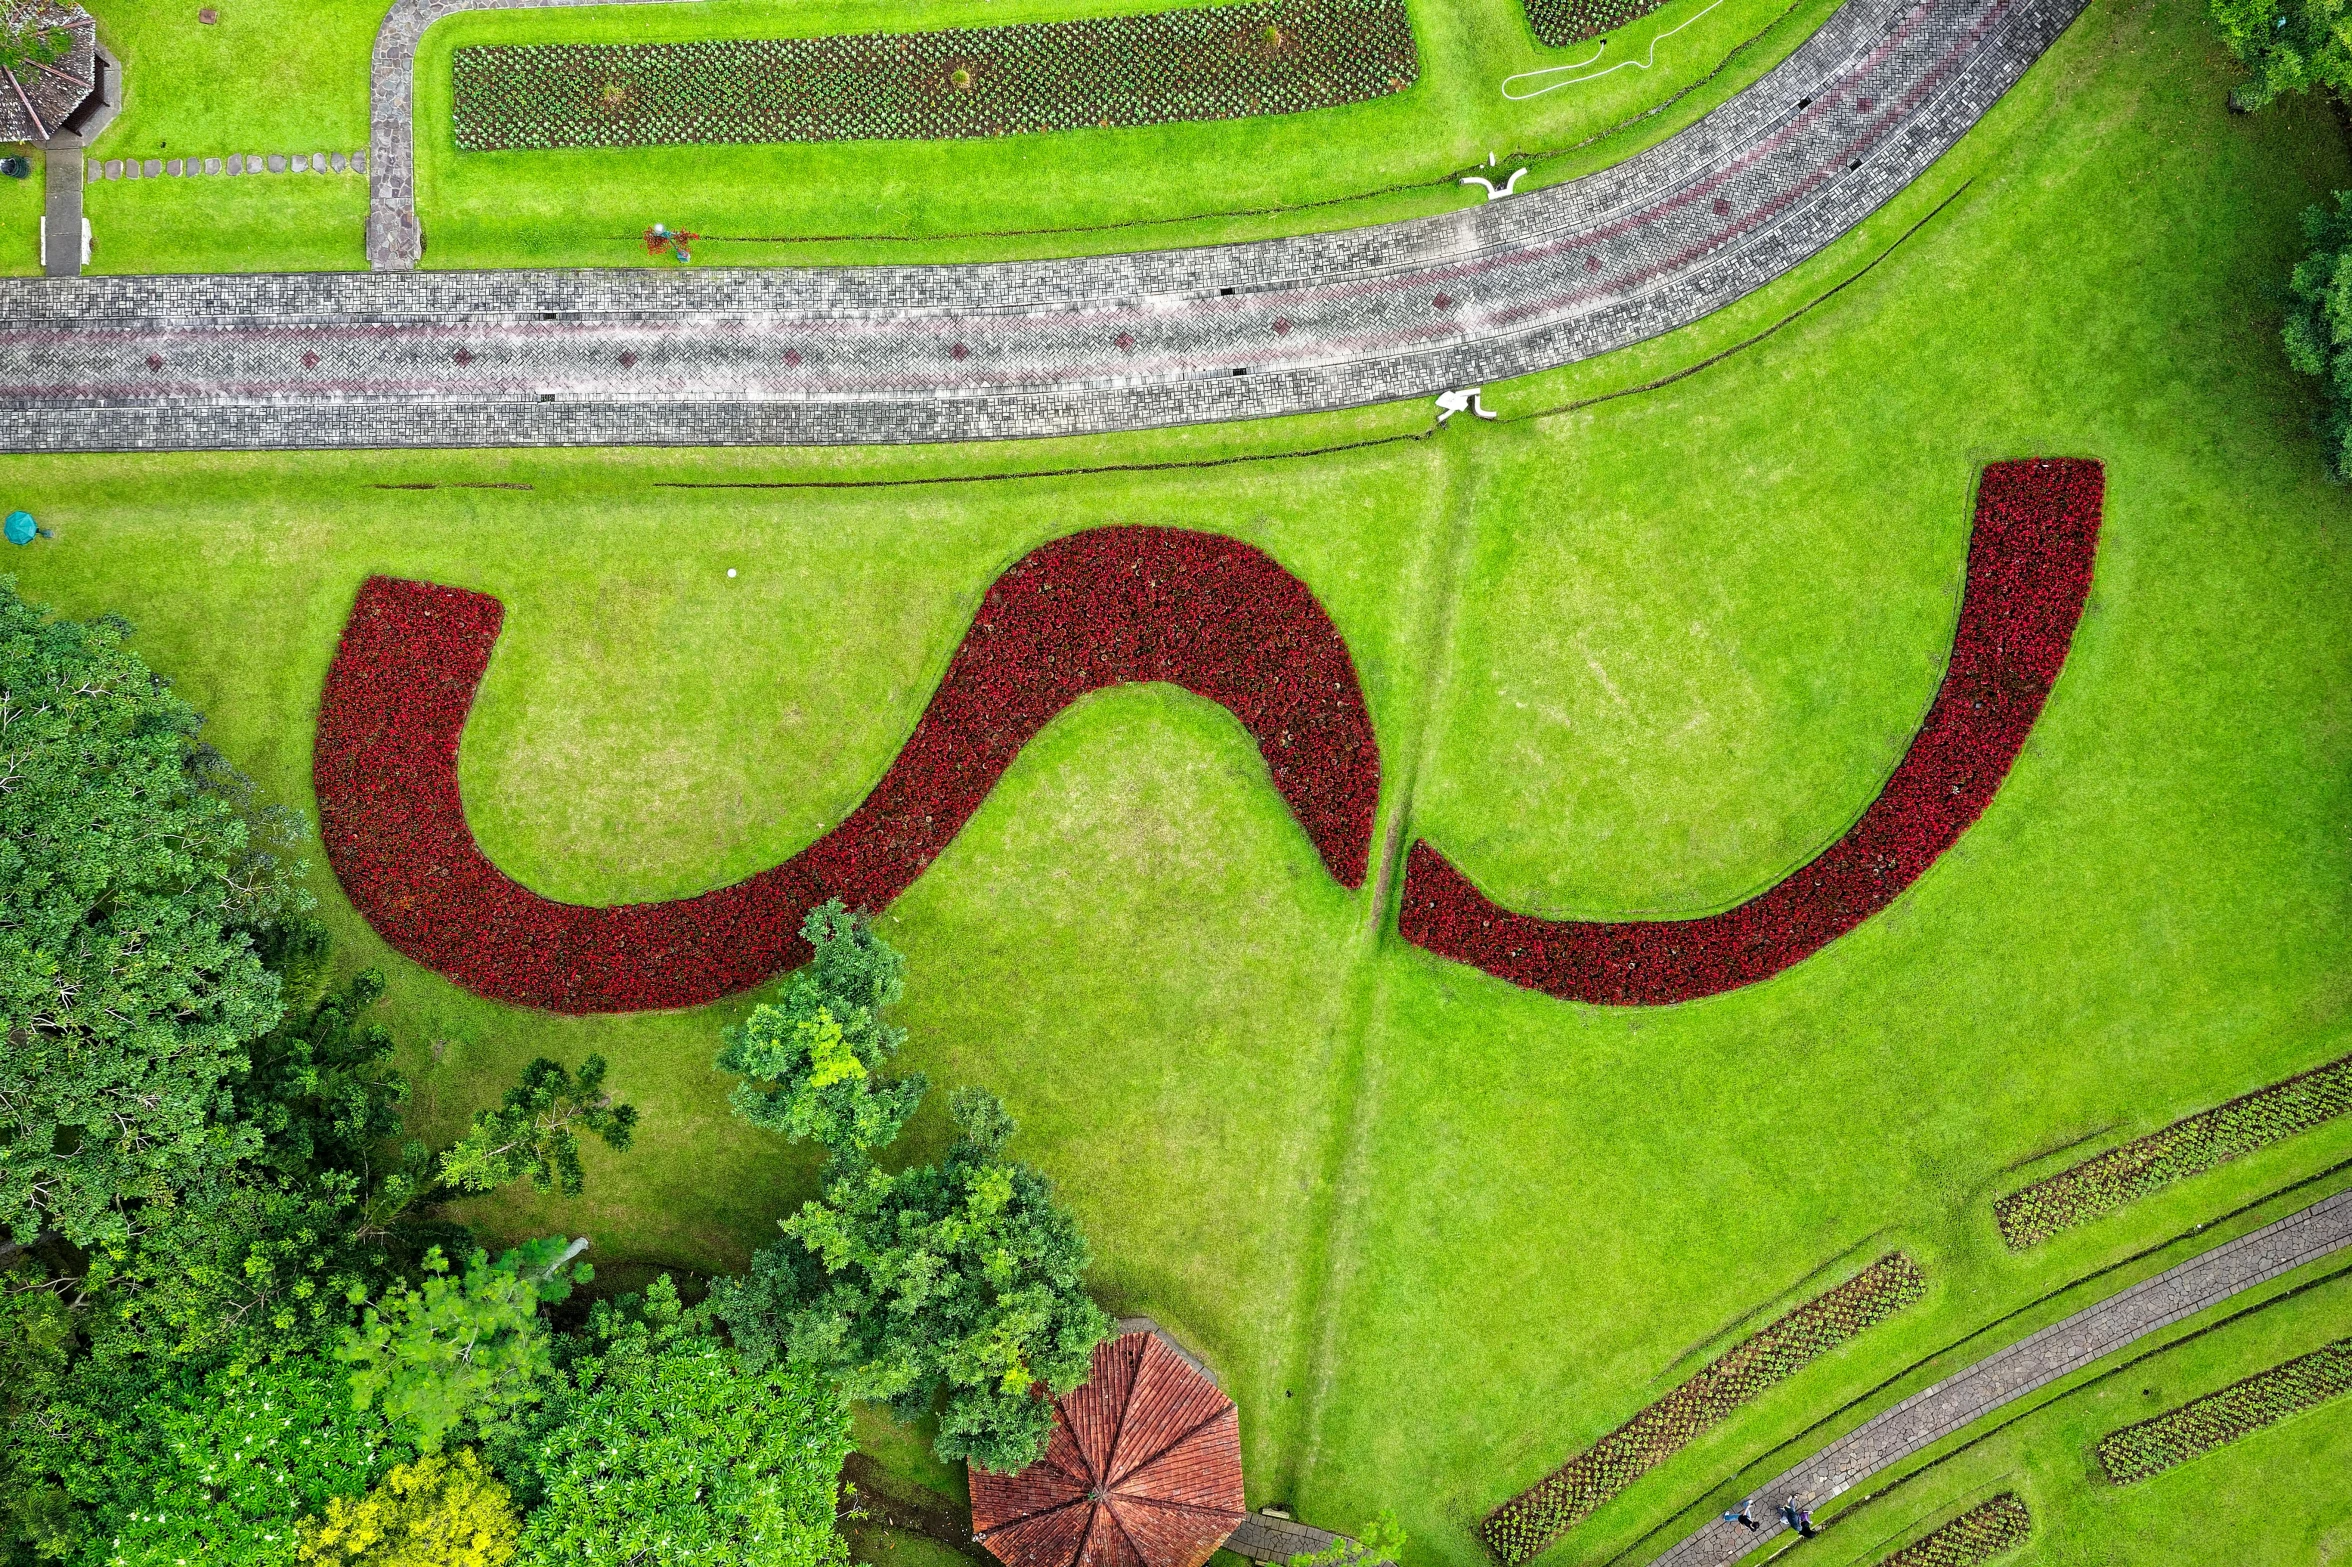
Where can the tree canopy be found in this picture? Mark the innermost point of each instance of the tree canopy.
(2287, 46)
(2319, 325)
(656, 1443)
(131, 885)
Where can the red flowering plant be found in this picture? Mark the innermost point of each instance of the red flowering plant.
(2029, 574)
(1098, 609)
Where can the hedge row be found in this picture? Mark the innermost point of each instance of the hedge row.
(1559, 23)
(1097, 609)
(2187, 1147)
(2029, 573)
(2241, 1409)
(1212, 63)
(1529, 1522)
(1978, 1535)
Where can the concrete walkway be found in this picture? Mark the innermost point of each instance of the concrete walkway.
(2032, 1363)
(937, 353)
(61, 206)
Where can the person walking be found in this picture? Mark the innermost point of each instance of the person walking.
(1744, 1515)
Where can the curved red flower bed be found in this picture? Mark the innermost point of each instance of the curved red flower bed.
(2029, 572)
(1098, 609)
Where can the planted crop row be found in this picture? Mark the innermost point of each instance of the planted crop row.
(1205, 63)
(1522, 1527)
(2198, 1427)
(2187, 1147)
(1978, 1535)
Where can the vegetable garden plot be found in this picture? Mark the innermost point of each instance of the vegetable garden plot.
(1213, 63)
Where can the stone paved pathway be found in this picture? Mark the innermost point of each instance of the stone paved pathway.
(907, 353)
(2057, 1351)
(394, 241)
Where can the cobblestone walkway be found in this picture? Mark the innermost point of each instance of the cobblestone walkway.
(704, 357)
(2059, 1350)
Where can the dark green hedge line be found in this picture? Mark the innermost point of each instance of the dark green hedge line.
(1977, 1535)
(2188, 1147)
(1212, 63)
(1530, 1521)
(2198, 1427)
(1559, 23)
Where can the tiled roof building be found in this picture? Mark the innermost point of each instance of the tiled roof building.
(1143, 1470)
(48, 66)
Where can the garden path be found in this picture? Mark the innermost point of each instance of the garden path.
(652, 356)
(2032, 1363)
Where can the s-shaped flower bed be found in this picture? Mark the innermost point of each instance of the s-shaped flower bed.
(1098, 609)
(2029, 573)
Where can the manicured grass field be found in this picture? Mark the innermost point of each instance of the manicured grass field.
(1435, 1232)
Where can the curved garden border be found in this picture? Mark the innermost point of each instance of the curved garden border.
(2029, 573)
(1097, 609)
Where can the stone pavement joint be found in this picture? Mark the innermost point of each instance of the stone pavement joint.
(848, 355)
(2030, 1364)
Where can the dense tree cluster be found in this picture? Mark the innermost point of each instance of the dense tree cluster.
(2287, 46)
(238, 1324)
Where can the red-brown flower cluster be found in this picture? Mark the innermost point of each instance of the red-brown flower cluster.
(2029, 572)
(1098, 609)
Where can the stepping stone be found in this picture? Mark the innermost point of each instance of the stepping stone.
(130, 168)
(212, 165)
(297, 164)
(318, 163)
(114, 168)
(92, 173)
(277, 163)
(359, 163)
(208, 16)
(173, 168)
(236, 164)
(155, 168)
(342, 164)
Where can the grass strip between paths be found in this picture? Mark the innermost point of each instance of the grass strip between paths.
(1977, 1535)
(1528, 1523)
(2136, 1452)
(2187, 1147)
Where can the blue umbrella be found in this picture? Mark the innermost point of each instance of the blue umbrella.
(21, 527)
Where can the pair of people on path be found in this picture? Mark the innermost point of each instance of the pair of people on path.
(1796, 1517)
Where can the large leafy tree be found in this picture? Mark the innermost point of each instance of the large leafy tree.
(444, 1510)
(130, 885)
(658, 1444)
(2319, 325)
(958, 1285)
(2287, 46)
(535, 1133)
(465, 1351)
(813, 1059)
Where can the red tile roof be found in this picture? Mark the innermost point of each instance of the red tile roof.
(1143, 1470)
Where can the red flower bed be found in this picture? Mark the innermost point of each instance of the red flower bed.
(2029, 571)
(1099, 609)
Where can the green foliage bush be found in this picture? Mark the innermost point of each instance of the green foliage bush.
(2287, 45)
(2319, 323)
(444, 1510)
(657, 1444)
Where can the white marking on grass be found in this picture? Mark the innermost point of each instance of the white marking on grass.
(1622, 65)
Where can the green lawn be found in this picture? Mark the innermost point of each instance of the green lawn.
(1438, 1233)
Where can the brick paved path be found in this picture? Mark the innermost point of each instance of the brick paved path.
(394, 242)
(2057, 1351)
(1024, 348)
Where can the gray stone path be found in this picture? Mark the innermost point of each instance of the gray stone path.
(234, 163)
(394, 240)
(2057, 1351)
(671, 356)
